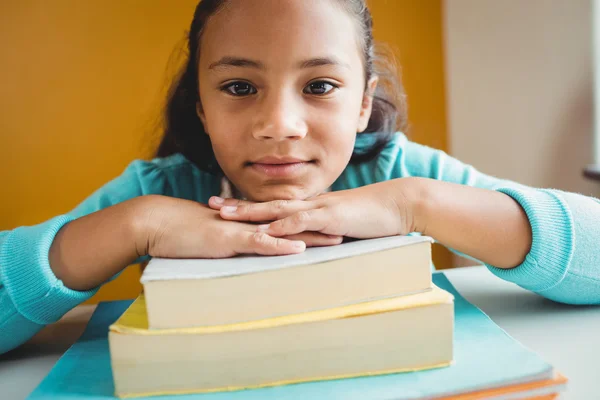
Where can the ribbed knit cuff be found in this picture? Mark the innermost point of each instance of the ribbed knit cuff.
(553, 240)
(26, 274)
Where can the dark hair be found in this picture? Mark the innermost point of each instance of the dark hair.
(185, 134)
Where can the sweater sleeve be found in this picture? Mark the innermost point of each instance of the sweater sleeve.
(563, 263)
(30, 294)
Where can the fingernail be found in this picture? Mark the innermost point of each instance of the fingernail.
(218, 200)
(229, 209)
(298, 244)
(262, 228)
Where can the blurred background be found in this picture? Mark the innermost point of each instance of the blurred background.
(504, 85)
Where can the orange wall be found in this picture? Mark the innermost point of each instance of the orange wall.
(82, 82)
(414, 30)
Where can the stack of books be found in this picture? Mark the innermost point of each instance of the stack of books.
(361, 308)
(338, 314)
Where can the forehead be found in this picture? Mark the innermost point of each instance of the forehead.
(281, 32)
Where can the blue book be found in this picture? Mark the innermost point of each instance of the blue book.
(486, 360)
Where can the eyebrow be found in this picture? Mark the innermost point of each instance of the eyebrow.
(227, 61)
(236, 62)
(318, 62)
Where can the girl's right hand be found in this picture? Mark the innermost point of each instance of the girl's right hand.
(177, 228)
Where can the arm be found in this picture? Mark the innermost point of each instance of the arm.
(104, 242)
(49, 268)
(31, 295)
(487, 225)
(475, 214)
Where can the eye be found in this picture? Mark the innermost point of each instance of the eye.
(239, 89)
(319, 88)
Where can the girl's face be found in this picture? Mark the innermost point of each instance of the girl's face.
(282, 94)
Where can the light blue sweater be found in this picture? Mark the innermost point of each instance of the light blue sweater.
(563, 264)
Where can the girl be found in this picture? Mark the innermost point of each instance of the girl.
(283, 108)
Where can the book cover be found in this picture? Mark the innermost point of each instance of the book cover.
(159, 269)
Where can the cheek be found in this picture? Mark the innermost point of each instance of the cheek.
(221, 121)
(344, 113)
(224, 128)
(227, 145)
(227, 151)
(336, 126)
(339, 150)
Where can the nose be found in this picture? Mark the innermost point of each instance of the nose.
(279, 119)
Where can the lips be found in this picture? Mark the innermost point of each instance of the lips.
(272, 160)
(280, 167)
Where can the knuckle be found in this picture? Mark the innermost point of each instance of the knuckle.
(301, 217)
(261, 239)
(279, 243)
(280, 204)
(245, 209)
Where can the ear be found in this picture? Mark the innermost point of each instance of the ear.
(367, 104)
(200, 113)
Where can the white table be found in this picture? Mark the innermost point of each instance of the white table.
(563, 335)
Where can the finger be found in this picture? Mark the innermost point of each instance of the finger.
(216, 202)
(312, 220)
(269, 211)
(261, 243)
(316, 239)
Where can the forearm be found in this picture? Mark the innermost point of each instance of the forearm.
(90, 250)
(487, 225)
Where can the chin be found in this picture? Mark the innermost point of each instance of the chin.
(283, 192)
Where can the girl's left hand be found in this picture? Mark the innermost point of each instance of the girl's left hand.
(376, 210)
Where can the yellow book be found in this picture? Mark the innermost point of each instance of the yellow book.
(404, 333)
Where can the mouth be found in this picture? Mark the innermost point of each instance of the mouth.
(280, 167)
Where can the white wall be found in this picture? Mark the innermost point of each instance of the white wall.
(519, 89)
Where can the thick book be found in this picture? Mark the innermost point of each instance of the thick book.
(398, 334)
(206, 292)
(488, 363)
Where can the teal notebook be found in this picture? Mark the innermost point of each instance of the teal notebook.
(484, 356)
